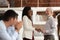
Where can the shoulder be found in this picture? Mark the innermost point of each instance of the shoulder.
(1, 22)
(51, 18)
(2, 25)
(25, 17)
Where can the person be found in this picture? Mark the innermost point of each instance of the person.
(9, 19)
(50, 29)
(50, 25)
(27, 24)
(58, 17)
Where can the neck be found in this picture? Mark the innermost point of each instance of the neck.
(7, 24)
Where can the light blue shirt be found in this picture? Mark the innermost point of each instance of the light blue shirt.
(11, 31)
(4, 34)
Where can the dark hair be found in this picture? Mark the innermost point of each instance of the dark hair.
(58, 20)
(1, 16)
(9, 14)
(58, 24)
(25, 12)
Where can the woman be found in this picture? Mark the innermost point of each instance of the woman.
(27, 23)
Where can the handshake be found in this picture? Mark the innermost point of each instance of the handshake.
(38, 30)
(41, 29)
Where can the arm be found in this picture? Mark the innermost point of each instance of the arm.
(12, 32)
(53, 25)
(5, 36)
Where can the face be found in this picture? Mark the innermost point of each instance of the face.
(13, 21)
(49, 12)
(30, 13)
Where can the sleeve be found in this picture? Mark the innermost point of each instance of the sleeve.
(12, 32)
(26, 24)
(15, 35)
(5, 36)
(53, 25)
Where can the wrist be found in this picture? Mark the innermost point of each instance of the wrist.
(17, 29)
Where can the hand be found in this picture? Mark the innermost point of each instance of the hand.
(37, 29)
(18, 25)
(42, 29)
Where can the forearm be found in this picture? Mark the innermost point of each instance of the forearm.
(15, 35)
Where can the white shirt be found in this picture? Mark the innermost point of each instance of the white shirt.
(4, 35)
(27, 28)
(50, 26)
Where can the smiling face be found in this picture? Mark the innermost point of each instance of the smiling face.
(30, 13)
(49, 11)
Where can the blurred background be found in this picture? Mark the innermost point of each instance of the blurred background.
(38, 7)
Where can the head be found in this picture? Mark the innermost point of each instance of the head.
(27, 12)
(10, 17)
(49, 12)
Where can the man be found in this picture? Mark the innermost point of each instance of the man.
(50, 25)
(9, 19)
